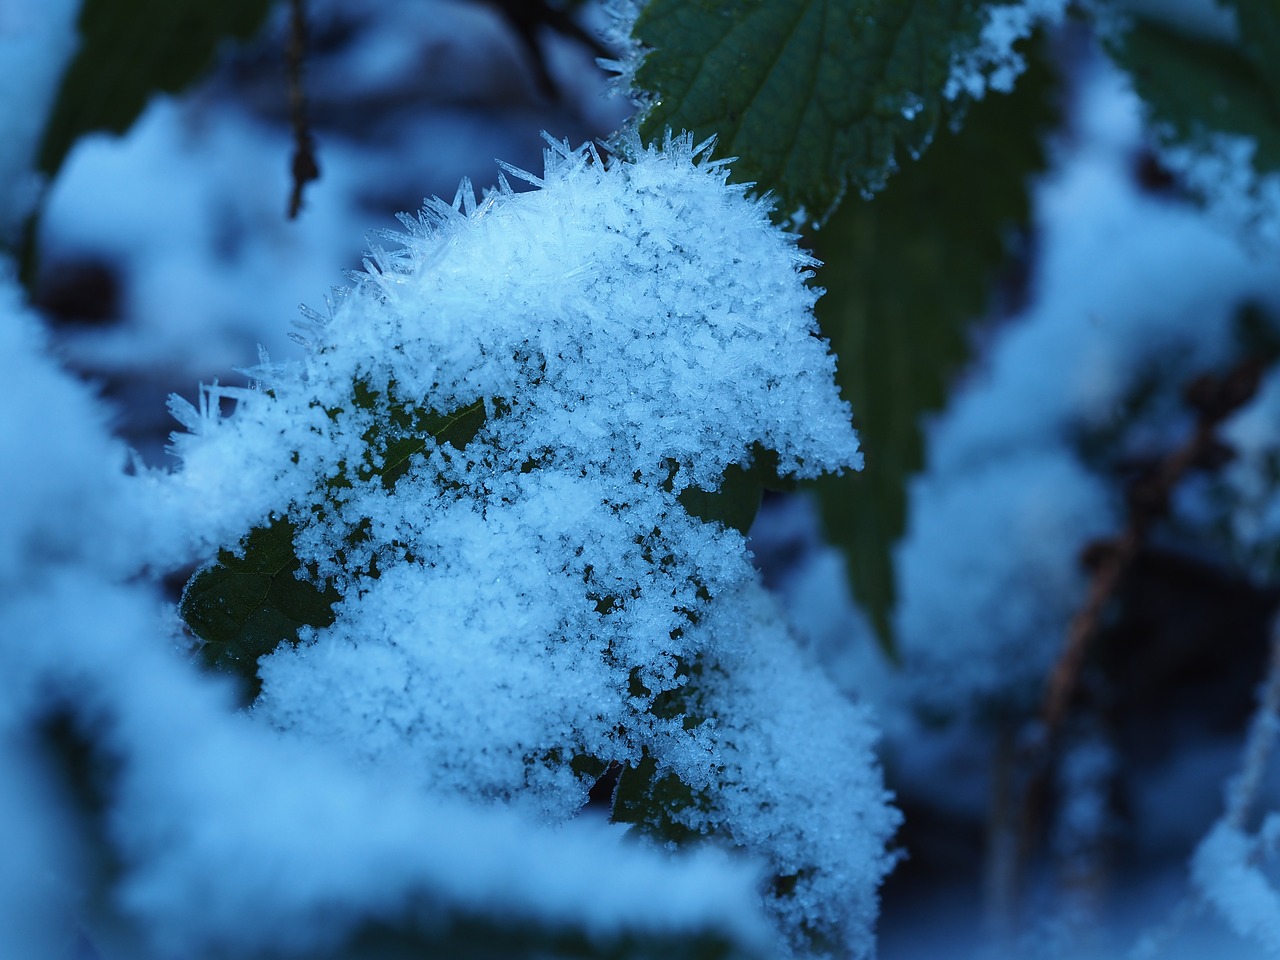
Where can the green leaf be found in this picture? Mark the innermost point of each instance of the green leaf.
(132, 49)
(1259, 22)
(1196, 87)
(906, 275)
(812, 96)
(653, 803)
(505, 936)
(737, 501)
(408, 431)
(243, 607)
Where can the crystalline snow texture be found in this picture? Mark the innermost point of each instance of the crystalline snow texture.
(632, 327)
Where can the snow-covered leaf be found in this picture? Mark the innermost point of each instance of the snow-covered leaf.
(813, 97)
(535, 595)
(243, 607)
(1197, 88)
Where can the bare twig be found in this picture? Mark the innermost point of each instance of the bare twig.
(1215, 399)
(526, 18)
(304, 167)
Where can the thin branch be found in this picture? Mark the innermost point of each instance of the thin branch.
(526, 18)
(304, 167)
(1215, 399)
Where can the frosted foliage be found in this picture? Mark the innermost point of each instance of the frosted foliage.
(230, 840)
(993, 62)
(625, 332)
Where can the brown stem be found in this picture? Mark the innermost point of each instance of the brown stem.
(304, 167)
(1215, 399)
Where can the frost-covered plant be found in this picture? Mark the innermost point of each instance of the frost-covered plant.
(488, 511)
(223, 838)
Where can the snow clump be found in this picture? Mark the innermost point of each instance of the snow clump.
(488, 454)
(993, 62)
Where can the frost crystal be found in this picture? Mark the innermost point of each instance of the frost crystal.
(492, 455)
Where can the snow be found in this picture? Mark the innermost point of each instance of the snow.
(1221, 169)
(1253, 511)
(1225, 871)
(180, 315)
(228, 836)
(993, 63)
(633, 326)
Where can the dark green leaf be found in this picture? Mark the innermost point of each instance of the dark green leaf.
(502, 936)
(906, 273)
(1259, 22)
(737, 501)
(244, 607)
(653, 803)
(457, 429)
(1195, 87)
(812, 96)
(132, 49)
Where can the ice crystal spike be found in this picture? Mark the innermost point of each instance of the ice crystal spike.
(182, 410)
(465, 199)
(520, 174)
(702, 150)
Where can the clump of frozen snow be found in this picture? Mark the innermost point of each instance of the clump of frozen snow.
(993, 63)
(528, 599)
(1221, 168)
(228, 838)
